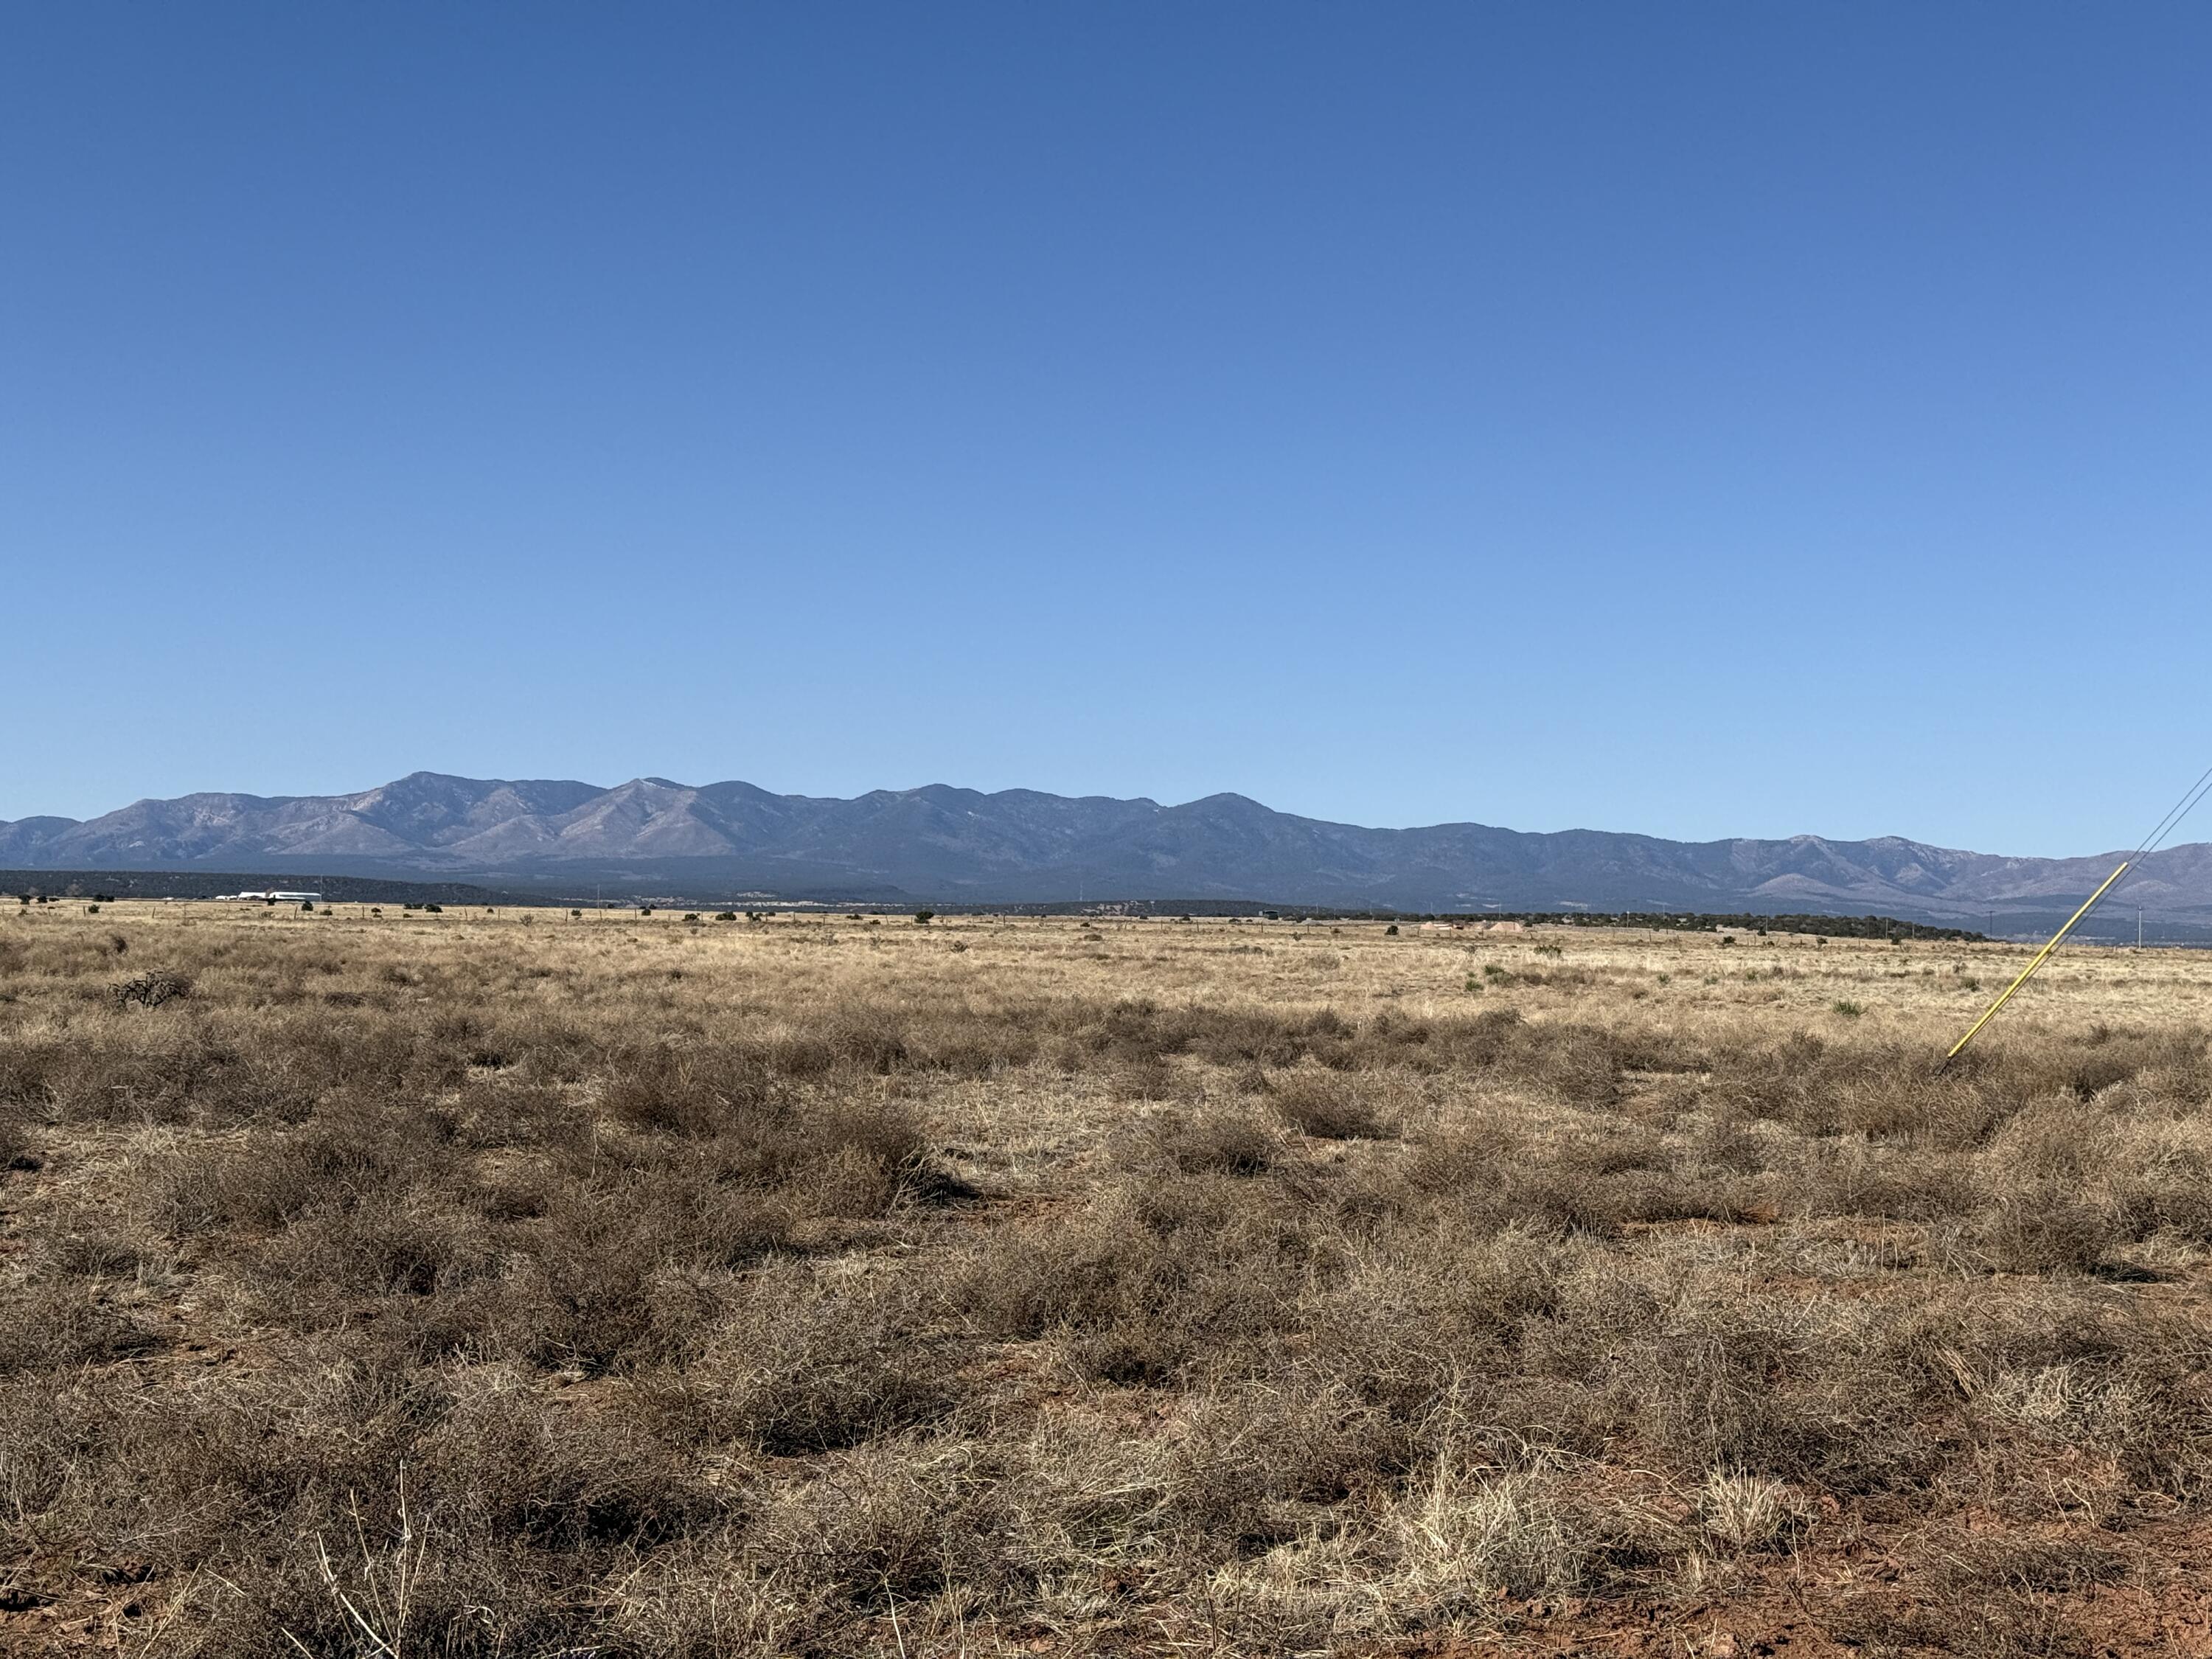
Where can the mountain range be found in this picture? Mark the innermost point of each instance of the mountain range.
(952, 845)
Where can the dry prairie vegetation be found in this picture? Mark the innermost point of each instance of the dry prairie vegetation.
(528, 1285)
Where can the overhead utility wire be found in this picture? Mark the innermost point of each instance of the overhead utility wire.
(2182, 808)
(2149, 844)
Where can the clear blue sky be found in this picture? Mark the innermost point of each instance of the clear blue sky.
(1744, 419)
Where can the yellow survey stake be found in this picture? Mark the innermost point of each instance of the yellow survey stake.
(2037, 962)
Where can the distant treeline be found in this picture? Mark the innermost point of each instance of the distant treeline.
(1681, 921)
(199, 885)
(1883, 927)
(1706, 922)
(358, 889)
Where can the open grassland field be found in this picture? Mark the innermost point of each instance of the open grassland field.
(521, 1285)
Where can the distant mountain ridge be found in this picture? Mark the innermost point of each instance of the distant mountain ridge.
(1021, 846)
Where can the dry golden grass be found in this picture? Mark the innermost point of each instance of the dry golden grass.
(523, 1284)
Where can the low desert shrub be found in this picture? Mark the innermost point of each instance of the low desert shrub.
(1328, 1105)
(1213, 1139)
(802, 1365)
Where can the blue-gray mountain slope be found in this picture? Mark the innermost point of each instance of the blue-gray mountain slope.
(1019, 845)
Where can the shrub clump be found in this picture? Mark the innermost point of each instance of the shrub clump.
(149, 990)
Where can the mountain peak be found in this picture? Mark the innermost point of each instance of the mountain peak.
(951, 844)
